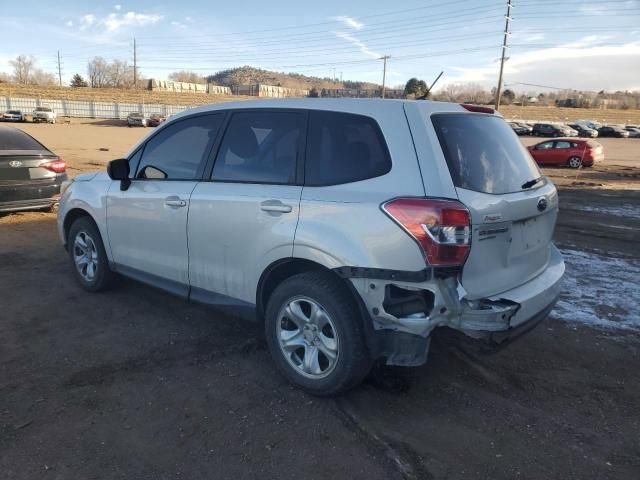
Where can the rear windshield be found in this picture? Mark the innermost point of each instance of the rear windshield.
(14, 139)
(14, 112)
(483, 153)
(43, 109)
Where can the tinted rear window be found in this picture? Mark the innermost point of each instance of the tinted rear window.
(343, 148)
(483, 153)
(14, 139)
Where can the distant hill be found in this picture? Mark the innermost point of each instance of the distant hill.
(249, 75)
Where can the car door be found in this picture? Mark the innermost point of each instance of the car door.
(543, 153)
(147, 223)
(244, 216)
(560, 153)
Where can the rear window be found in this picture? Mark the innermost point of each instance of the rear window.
(43, 109)
(14, 139)
(343, 148)
(483, 153)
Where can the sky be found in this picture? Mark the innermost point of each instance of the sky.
(583, 45)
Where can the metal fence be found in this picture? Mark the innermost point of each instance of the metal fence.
(75, 108)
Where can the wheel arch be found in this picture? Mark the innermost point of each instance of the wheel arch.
(73, 215)
(282, 269)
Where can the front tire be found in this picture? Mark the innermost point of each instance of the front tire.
(88, 256)
(315, 335)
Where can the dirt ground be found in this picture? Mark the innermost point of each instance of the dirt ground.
(137, 384)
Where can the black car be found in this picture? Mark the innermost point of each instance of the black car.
(551, 130)
(612, 131)
(584, 131)
(519, 129)
(30, 173)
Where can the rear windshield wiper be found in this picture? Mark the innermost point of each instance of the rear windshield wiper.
(531, 183)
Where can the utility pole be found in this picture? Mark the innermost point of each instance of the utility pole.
(384, 71)
(504, 51)
(135, 65)
(59, 69)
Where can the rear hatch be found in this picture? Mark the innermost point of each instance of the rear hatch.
(24, 161)
(513, 207)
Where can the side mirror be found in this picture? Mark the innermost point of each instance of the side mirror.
(119, 170)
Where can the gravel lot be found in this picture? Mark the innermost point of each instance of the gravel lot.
(137, 384)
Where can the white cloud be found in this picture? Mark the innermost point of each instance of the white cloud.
(349, 22)
(69, 23)
(87, 21)
(358, 43)
(178, 24)
(578, 65)
(117, 7)
(114, 21)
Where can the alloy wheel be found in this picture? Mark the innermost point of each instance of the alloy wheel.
(307, 337)
(85, 256)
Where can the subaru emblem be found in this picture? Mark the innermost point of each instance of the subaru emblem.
(542, 204)
(15, 163)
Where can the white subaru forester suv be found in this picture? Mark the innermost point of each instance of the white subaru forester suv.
(351, 228)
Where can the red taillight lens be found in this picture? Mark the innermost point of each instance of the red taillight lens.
(477, 108)
(441, 227)
(57, 166)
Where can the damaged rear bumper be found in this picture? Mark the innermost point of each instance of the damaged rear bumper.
(405, 313)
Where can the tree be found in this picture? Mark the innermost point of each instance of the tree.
(119, 74)
(508, 96)
(78, 81)
(98, 72)
(313, 93)
(40, 77)
(187, 77)
(22, 68)
(415, 87)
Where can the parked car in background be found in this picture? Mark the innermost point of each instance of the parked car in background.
(613, 131)
(155, 120)
(519, 129)
(334, 222)
(584, 131)
(13, 116)
(589, 124)
(136, 119)
(44, 114)
(552, 130)
(634, 132)
(567, 151)
(30, 173)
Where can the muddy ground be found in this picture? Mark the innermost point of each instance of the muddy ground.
(137, 384)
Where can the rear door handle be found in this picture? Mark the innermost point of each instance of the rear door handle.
(275, 206)
(175, 202)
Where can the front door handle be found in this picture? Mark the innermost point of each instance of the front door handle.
(275, 206)
(175, 202)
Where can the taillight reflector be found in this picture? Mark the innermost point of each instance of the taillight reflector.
(57, 166)
(442, 228)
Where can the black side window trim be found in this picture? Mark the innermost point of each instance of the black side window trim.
(201, 167)
(302, 145)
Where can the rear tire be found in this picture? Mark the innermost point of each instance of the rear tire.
(88, 256)
(574, 162)
(315, 334)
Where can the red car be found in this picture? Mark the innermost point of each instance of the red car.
(571, 152)
(155, 120)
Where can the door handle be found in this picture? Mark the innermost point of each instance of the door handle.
(175, 202)
(275, 206)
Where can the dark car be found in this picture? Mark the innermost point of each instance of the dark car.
(155, 120)
(584, 131)
(519, 129)
(634, 132)
(551, 130)
(612, 131)
(30, 173)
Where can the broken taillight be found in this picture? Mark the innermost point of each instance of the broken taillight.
(442, 228)
(58, 165)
